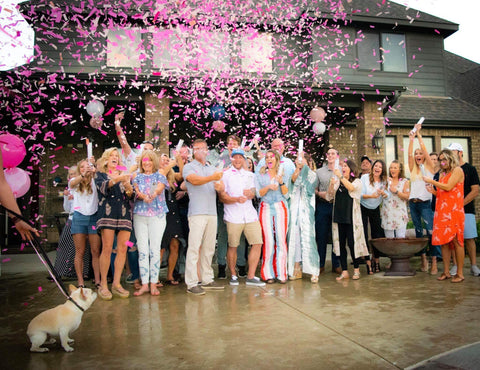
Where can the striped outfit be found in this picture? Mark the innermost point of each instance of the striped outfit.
(273, 217)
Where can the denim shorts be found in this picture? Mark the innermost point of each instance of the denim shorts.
(470, 230)
(82, 224)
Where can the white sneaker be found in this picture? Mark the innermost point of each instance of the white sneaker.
(234, 280)
(453, 270)
(255, 281)
(475, 270)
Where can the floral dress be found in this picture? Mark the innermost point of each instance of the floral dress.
(449, 218)
(394, 211)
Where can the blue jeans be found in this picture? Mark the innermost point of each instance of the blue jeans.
(323, 228)
(423, 211)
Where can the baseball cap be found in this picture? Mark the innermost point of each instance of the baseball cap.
(365, 157)
(455, 146)
(238, 151)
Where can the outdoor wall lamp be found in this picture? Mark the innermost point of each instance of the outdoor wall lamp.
(377, 140)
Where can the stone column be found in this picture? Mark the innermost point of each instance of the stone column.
(157, 112)
(370, 118)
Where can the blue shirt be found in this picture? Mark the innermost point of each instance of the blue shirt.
(369, 189)
(147, 184)
(203, 198)
(286, 163)
(272, 196)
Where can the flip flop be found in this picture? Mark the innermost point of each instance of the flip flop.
(444, 276)
(457, 279)
(171, 282)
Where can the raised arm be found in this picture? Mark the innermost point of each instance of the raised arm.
(428, 161)
(121, 136)
(411, 160)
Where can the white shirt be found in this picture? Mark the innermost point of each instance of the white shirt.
(236, 181)
(417, 186)
(86, 204)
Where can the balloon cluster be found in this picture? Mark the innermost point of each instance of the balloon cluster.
(317, 115)
(217, 112)
(95, 109)
(13, 152)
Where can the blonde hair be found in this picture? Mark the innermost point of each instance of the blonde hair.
(83, 186)
(103, 161)
(152, 156)
(264, 169)
(451, 158)
(416, 173)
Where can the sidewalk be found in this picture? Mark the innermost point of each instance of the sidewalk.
(376, 322)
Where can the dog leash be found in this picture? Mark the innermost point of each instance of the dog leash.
(42, 255)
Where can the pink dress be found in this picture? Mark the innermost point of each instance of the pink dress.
(449, 218)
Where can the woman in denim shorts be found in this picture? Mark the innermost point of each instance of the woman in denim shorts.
(85, 205)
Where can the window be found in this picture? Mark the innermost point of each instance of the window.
(446, 141)
(382, 51)
(390, 150)
(213, 51)
(428, 141)
(124, 48)
(170, 49)
(256, 53)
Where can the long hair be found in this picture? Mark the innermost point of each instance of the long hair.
(264, 169)
(451, 159)
(416, 169)
(150, 154)
(383, 175)
(103, 161)
(310, 161)
(353, 170)
(86, 183)
(401, 172)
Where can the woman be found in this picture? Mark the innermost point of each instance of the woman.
(347, 226)
(394, 210)
(302, 251)
(449, 218)
(373, 193)
(173, 236)
(272, 191)
(421, 165)
(65, 257)
(149, 220)
(84, 221)
(115, 217)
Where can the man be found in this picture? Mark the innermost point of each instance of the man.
(286, 163)
(323, 211)
(471, 188)
(201, 185)
(241, 216)
(233, 142)
(365, 165)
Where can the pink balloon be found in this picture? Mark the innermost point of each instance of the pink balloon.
(18, 180)
(219, 126)
(317, 114)
(13, 150)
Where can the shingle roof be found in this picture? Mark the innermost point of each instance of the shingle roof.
(462, 78)
(436, 110)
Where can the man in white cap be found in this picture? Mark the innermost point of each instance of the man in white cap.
(471, 188)
(241, 216)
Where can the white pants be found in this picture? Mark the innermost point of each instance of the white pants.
(149, 232)
(399, 233)
(201, 245)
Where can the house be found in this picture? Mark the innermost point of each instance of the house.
(375, 67)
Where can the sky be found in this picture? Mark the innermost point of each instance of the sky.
(464, 42)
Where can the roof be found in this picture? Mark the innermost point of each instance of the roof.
(442, 111)
(462, 78)
(387, 12)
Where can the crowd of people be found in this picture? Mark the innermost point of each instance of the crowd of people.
(277, 215)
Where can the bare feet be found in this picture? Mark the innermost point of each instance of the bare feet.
(143, 289)
(153, 290)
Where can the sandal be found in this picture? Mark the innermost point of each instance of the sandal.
(314, 279)
(356, 275)
(342, 277)
(369, 269)
(297, 274)
(444, 276)
(120, 292)
(377, 267)
(104, 294)
(270, 281)
(457, 279)
(171, 282)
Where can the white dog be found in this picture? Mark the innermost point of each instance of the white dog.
(60, 321)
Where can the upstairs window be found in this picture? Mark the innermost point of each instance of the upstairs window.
(383, 52)
(125, 48)
(257, 53)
